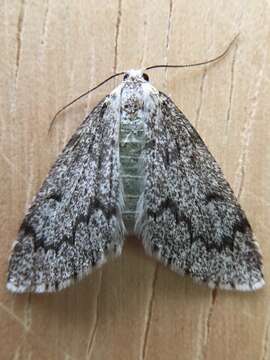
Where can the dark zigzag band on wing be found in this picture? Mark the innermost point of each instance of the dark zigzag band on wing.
(74, 222)
(81, 219)
(241, 226)
(189, 217)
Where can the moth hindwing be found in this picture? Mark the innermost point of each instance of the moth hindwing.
(136, 147)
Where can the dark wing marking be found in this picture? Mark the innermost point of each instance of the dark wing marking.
(74, 222)
(189, 217)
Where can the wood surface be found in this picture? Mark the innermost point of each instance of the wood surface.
(132, 308)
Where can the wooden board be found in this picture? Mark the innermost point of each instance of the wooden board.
(51, 51)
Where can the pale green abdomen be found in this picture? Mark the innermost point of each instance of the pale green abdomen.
(131, 144)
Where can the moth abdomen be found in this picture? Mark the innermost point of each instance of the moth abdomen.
(132, 139)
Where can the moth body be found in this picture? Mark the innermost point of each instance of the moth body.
(133, 92)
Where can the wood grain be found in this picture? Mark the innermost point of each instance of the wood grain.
(51, 51)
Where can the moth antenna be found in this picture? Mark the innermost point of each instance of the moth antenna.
(81, 96)
(148, 68)
(200, 63)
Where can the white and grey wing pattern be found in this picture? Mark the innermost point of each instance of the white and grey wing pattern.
(74, 222)
(189, 217)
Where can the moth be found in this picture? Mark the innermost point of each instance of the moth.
(135, 162)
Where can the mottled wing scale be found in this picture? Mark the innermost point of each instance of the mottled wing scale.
(75, 222)
(189, 217)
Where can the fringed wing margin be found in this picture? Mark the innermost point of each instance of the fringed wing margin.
(189, 217)
(74, 223)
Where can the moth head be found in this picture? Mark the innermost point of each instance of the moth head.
(136, 75)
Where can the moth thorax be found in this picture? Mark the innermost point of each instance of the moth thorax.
(132, 103)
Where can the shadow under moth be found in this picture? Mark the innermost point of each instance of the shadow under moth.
(135, 163)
